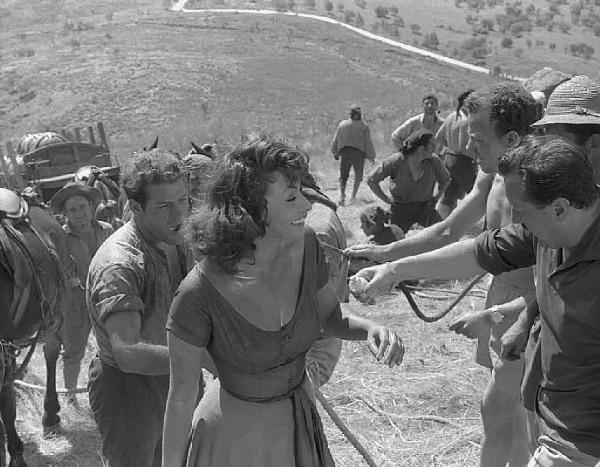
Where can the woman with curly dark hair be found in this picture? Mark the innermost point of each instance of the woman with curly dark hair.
(257, 302)
(414, 173)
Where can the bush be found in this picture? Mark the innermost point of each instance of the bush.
(310, 3)
(473, 43)
(394, 10)
(431, 41)
(360, 22)
(479, 52)
(497, 70)
(398, 21)
(552, 46)
(280, 5)
(329, 6)
(582, 50)
(381, 11)
(349, 15)
(415, 28)
(487, 24)
(25, 52)
(564, 27)
(361, 3)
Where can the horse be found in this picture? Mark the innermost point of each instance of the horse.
(32, 249)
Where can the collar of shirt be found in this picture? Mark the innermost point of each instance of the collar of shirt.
(69, 231)
(588, 248)
(437, 118)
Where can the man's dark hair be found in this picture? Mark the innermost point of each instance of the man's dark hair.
(461, 100)
(237, 208)
(430, 96)
(511, 107)
(415, 141)
(551, 167)
(153, 167)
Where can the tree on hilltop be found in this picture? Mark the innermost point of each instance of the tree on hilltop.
(506, 43)
(382, 12)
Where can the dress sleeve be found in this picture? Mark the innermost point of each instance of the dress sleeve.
(506, 249)
(189, 320)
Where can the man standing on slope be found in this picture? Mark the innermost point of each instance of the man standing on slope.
(428, 120)
(352, 144)
(498, 117)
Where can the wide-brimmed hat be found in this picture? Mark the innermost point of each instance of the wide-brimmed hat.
(74, 189)
(574, 102)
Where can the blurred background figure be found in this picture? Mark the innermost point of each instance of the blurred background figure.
(451, 142)
(428, 120)
(413, 173)
(352, 145)
(374, 222)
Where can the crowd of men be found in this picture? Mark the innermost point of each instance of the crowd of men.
(541, 205)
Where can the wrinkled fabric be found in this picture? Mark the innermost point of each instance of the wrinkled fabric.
(568, 396)
(414, 124)
(255, 365)
(128, 273)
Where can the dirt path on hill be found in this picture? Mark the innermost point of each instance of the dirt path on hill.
(180, 6)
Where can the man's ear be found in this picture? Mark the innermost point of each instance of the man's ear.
(561, 206)
(135, 207)
(512, 139)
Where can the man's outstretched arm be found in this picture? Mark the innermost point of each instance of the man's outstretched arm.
(450, 230)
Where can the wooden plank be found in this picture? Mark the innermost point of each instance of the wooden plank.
(91, 134)
(13, 160)
(102, 134)
(75, 146)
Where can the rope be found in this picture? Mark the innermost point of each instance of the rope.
(432, 319)
(344, 429)
(24, 385)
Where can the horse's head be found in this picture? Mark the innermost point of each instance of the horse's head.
(204, 150)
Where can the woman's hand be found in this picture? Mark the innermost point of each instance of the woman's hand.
(386, 345)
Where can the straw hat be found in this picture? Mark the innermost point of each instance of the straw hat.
(74, 189)
(574, 102)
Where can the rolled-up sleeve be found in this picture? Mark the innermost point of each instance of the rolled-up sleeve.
(116, 289)
(506, 249)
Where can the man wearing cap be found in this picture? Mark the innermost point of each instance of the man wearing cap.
(84, 236)
(428, 120)
(573, 112)
(352, 144)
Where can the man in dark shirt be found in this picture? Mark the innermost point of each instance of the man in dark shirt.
(560, 235)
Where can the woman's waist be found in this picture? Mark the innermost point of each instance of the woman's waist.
(262, 386)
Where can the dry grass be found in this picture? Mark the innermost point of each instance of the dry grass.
(144, 71)
(425, 413)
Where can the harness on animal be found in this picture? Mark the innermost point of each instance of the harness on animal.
(13, 249)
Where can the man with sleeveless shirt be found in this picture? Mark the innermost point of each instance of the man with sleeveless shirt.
(498, 117)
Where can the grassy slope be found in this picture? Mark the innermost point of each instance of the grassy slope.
(145, 71)
(449, 23)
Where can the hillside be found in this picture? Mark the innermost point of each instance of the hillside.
(515, 37)
(144, 71)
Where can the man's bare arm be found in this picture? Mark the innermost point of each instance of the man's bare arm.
(131, 354)
(450, 230)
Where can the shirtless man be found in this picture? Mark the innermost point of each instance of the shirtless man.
(499, 116)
